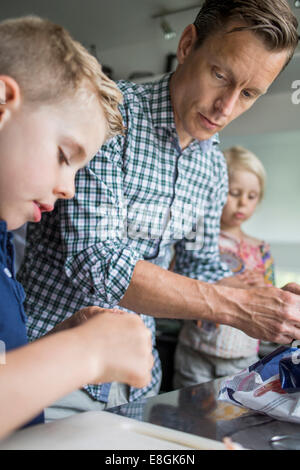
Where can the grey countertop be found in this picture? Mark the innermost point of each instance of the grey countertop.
(196, 410)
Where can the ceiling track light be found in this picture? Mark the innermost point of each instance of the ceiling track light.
(168, 32)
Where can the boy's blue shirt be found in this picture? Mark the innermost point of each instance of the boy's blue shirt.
(12, 316)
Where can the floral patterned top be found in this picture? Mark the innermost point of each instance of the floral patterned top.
(239, 255)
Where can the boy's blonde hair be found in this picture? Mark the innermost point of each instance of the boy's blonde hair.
(49, 66)
(239, 158)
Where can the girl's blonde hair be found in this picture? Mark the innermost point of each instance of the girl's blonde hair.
(239, 158)
(49, 65)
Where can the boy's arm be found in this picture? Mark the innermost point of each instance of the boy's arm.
(100, 350)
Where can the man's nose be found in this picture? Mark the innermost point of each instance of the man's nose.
(226, 103)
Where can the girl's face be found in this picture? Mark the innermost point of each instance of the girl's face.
(41, 149)
(244, 194)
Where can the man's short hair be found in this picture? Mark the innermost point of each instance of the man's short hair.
(49, 66)
(272, 21)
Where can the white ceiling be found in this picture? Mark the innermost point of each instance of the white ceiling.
(115, 23)
(110, 22)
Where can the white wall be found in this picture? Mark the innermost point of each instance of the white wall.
(271, 129)
(147, 53)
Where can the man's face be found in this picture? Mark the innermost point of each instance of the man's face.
(219, 81)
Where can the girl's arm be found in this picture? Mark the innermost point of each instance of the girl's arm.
(100, 350)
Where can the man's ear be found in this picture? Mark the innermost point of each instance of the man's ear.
(10, 98)
(186, 43)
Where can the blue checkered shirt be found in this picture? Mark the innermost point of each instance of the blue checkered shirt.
(140, 198)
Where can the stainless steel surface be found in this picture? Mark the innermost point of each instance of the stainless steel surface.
(288, 442)
(196, 410)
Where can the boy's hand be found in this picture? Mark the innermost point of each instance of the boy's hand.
(77, 319)
(119, 347)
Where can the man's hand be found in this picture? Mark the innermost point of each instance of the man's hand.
(266, 313)
(292, 287)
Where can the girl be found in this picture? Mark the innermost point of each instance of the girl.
(248, 258)
(224, 350)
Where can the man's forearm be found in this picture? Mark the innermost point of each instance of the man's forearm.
(160, 293)
(265, 313)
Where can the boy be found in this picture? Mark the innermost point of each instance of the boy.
(58, 108)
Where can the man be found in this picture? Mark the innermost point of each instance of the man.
(162, 186)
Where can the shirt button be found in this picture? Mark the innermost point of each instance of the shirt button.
(7, 272)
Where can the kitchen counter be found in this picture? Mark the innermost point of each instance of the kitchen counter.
(191, 418)
(197, 411)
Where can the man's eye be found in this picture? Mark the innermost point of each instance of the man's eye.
(247, 94)
(219, 76)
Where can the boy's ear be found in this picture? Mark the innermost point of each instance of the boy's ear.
(10, 98)
(186, 43)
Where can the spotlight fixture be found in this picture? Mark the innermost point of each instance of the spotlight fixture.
(169, 33)
(297, 3)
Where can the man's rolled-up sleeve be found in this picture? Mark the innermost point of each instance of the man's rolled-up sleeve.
(99, 258)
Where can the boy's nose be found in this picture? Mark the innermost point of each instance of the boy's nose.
(65, 189)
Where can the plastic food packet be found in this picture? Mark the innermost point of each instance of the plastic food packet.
(289, 373)
(270, 386)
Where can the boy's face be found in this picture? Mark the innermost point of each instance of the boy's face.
(41, 149)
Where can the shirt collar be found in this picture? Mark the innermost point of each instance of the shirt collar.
(6, 249)
(163, 116)
(161, 106)
(3, 228)
(4, 234)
